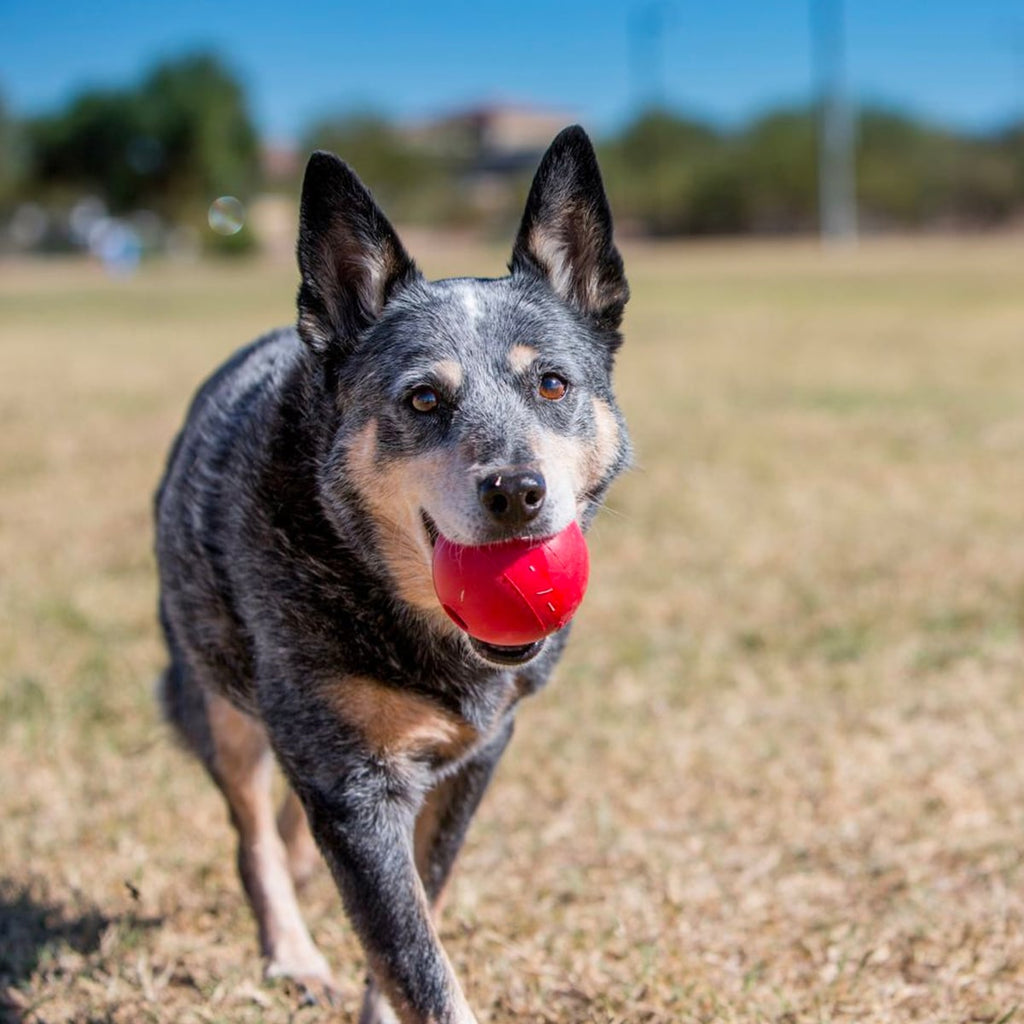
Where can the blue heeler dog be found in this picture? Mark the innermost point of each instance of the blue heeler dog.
(295, 525)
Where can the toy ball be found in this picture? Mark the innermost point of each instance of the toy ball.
(515, 592)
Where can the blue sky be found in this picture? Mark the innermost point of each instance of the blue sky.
(954, 61)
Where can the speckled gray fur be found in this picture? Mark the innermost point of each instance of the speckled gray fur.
(275, 582)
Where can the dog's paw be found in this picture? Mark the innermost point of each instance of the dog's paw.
(317, 992)
(311, 977)
(376, 1009)
(378, 1013)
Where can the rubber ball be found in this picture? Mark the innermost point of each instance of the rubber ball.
(515, 592)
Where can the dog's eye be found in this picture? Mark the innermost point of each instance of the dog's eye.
(552, 387)
(424, 399)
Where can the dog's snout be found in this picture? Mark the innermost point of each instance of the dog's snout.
(513, 497)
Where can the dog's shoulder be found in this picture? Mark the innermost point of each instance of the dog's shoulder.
(248, 381)
(231, 410)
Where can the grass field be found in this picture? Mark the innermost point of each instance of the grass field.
(779, 776)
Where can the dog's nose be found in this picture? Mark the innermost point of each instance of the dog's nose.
(512, 496)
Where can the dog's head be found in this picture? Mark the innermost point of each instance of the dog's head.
(478, 409)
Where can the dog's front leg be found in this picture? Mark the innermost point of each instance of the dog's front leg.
(447, 811)
(364, 826)
(361, 757)
(440, 829)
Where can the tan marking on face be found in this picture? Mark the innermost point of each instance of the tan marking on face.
(398, 724)
(521, 357)
(391, 492)
(449, 372)
(563, 462)
(566, 452)
(606, 443)
(577, 465)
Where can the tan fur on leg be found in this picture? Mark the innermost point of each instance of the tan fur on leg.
(242, 769)
(303, 856)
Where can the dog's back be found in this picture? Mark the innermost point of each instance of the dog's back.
(201, 507)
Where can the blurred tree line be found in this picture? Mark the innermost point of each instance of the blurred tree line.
(673, 176)
(168, 146)
(414, 179)
(184, 136)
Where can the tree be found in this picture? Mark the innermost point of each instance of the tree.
(778, 153)
(175, 143)
(11, 155)
(411, 181)
(87, 148)
(661, 170)
(197, 140)
(912, 174)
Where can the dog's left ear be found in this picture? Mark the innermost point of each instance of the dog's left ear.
(566, 233)
(350, 257)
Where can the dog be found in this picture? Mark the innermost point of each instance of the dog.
(295, 524)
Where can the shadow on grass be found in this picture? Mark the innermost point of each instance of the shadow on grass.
(34, 930)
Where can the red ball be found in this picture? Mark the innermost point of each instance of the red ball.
(515, 592)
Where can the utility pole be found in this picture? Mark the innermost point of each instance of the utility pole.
(837, 196)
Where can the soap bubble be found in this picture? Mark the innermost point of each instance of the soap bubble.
(226, 215)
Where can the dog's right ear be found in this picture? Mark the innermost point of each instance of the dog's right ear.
(566, 232)
(350, 257)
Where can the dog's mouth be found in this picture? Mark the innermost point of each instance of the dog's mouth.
(494, 653)
(506, 655)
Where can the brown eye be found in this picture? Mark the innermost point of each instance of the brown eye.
(424, 400)
(552, 387)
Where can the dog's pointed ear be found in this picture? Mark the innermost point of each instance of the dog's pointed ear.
(566, 232)
(350, 257)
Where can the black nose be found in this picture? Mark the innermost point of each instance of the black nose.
(513, 497)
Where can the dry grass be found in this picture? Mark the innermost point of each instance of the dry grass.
(779, 776)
